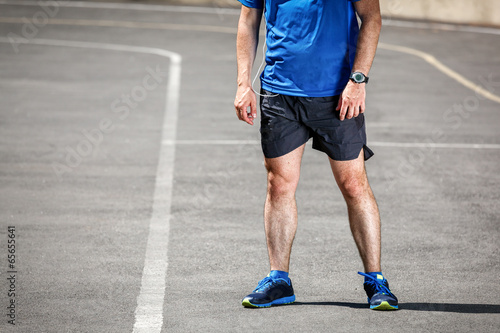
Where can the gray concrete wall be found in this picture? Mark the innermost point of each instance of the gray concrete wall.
(206, 3)
(483, 12)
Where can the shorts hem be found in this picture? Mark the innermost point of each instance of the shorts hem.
(274, 153)
(367, 154)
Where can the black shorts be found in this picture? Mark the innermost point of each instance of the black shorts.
(287, 122)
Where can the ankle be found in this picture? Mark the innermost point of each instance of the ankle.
(276, 274)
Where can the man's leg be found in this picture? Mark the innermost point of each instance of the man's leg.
(364, 217)
(280, 210)
(280, 222)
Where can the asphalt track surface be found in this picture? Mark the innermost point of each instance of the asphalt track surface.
(173, 159)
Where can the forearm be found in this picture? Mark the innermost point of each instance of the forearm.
(367, 43)
(352, 101)
(246, 44)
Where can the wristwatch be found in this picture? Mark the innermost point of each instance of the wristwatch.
(358, 77)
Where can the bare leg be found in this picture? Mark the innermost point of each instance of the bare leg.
(364, 217)
(280, 210)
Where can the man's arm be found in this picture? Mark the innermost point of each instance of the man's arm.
(352, 100)
(246, 48)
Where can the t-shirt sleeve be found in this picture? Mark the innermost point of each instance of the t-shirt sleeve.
(252, 3)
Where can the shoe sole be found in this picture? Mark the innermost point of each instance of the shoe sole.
(384, 306)
(280, 301)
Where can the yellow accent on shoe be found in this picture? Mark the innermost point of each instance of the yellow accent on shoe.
(384, 306)
(246, 303)
(379, 277)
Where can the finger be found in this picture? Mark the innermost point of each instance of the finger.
(245, 116)
(343, 110)
(339, 104)
(356, 112)
(350, 111)
(238, 112)
(362, 108)
(242, 114)
(253, 107)
(239, 105)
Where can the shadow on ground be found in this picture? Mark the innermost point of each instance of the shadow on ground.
(439, 307)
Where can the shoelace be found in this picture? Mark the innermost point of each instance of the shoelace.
(264, 283)
(268, 281)
(377, 284)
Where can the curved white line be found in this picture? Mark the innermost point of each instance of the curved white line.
(440, 26)
(127, 24)
(175, 58)
(371, 143)
(435, 145)
(443, 68)
(149, 310)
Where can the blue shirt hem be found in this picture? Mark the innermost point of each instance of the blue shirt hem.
(301, 93)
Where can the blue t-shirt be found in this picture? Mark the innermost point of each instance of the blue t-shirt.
(311, 45)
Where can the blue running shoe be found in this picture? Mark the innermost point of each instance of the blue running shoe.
(270, 291)
(379, 295)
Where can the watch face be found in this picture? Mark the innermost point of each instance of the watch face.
(358, 77)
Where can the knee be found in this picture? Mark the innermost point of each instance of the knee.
(353, 187)
(279, 186)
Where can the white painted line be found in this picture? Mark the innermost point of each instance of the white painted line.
(128, 24)
(212, 142)
(174, 57)
(370, 143)
(443, 68)
(440, 26)
(434, 145)
(149, 310)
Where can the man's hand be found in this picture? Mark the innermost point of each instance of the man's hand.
(352, 100)
(245, 98)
